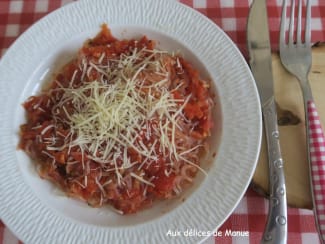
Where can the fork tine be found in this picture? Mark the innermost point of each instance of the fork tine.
(292, 22)
(299, 22)
(308, 20)
(283, 23)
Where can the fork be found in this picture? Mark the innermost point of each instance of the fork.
(295, 55)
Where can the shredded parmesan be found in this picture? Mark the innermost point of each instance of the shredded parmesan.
(108, 117)
(141, 179)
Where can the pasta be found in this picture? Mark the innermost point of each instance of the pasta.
(122, 124)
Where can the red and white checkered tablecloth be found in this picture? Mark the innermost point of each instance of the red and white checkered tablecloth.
(231, 15)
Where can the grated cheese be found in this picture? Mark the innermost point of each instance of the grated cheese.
(141, 179)
(112, 112)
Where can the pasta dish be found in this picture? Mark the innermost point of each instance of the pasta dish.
(123, 124)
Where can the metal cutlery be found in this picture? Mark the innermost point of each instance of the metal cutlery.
(295, 55)
(261, 65)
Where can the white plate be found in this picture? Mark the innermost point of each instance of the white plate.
(37, 213)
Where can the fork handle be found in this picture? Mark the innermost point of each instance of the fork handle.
(316, 148)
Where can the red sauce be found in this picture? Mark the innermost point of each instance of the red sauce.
(75, 171)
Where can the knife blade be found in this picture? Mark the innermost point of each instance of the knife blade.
(259, 48)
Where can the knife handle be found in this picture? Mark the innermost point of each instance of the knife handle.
(316, 149)
(276, 226)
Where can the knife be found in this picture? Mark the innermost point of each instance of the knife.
(259, 49)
